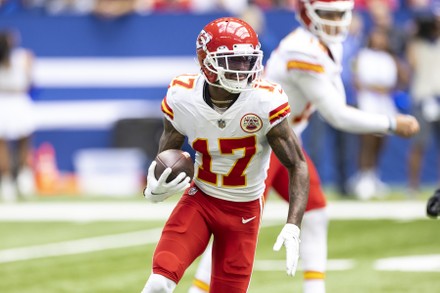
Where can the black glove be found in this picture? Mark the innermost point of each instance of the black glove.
(433, 206)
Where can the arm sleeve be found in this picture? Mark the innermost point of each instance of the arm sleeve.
(333, 108)
(171, 112)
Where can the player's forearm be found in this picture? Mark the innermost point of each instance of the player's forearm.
(330, 103)
(298, 192)
(352, 120)
(170, 138)
(286, 147)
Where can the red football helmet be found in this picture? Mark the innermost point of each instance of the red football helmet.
(229, 54)
(334, 29)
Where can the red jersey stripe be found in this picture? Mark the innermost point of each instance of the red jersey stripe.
(166, 109)
(279, 112)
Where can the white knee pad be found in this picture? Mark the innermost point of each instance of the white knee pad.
(159, 284)
(313, 247)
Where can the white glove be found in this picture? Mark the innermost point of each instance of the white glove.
(289, 236)
(159, 190)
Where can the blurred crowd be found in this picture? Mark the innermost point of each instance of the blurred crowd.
(114, 8)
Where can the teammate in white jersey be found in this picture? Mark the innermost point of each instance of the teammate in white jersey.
(307, 64)
(232, 119)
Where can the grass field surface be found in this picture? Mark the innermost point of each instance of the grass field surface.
(370, 256)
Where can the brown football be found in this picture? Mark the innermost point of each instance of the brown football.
(178, 160)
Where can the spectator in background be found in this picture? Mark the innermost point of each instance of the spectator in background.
(366, 4)
(103, 8)
(382, 18)
(234, 7)
(16, 118)
(114, 8)
(418, 5)
(69, 6)
(376, 77)
(423, 57)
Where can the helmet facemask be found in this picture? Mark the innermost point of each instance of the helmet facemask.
(237, 70)
(327, 29)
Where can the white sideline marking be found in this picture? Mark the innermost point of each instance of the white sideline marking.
(90, 114)
(279, 265)
(134, 211)
(111, 72)
(415, 263)
(80, 246)
(427, 263)
(127, 240)
(84, 245)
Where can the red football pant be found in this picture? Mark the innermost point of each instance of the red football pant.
(235, 227)
(278, 179)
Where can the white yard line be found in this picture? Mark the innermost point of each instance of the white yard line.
(139, 211)
(132, 211)
(420, 263)
(80, 246)
(279, 265)
(84, 245)
(94, 244)
(412, 263)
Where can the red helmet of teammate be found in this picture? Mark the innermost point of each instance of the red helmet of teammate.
(327, 19)
(229, 54)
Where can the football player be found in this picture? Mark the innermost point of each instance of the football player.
(433, 205)
(307, 64)
(232, 119)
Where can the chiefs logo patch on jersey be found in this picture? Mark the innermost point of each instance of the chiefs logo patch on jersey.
(251, 123)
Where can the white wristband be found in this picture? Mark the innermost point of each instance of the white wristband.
(393, 124)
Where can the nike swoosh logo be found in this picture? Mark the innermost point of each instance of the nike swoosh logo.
(245, 221)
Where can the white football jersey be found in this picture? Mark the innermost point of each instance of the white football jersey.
(300, 52)
(232, 152)
(311, 76)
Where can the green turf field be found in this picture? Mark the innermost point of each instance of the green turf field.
(126, 269)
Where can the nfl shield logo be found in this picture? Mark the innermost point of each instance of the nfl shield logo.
(221, 123)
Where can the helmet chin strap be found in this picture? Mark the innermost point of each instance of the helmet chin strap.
(225, 87)
(230, 89)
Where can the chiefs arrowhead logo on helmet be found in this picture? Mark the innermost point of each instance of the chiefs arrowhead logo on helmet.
(203, 39)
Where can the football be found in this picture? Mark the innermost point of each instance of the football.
(178, 160)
